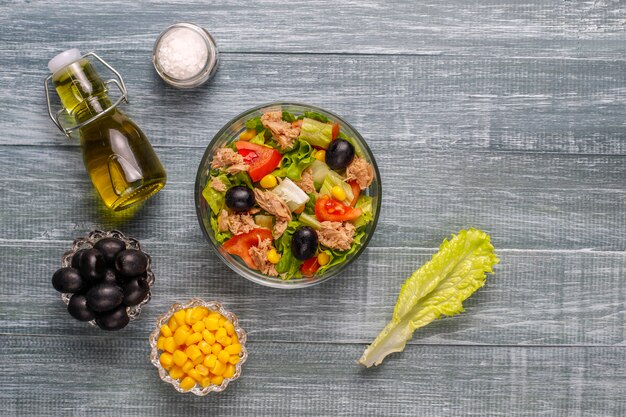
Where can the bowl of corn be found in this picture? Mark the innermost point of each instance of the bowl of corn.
(198, 347)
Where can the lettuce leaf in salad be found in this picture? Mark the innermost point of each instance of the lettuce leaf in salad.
(315, 116)
(289, 265)
(364, 202)
(288, 117)
(338, 257)
(221, 237)
(255, 123)
(259, 139)
(295, 161)
(216, 199)
(436, 289)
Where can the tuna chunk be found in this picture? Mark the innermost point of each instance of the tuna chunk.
(273, 204)
(217, 185)
(279, 228)
(306, 182)
(336, 235)
(259, 257)
(237, 223)
(361, 171)
(284, 133)
(228, 160)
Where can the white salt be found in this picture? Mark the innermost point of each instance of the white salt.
(182, 53)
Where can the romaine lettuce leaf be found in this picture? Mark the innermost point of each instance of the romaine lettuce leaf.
(219, 236)
(364, 202)
(255, 123)
(438, 288)
(214, 198)
(296, 161)
(315, 116)
(259, 139)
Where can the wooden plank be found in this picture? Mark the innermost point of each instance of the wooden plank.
(101, 376)
(496, 28)
(535, 297)
(427, 102)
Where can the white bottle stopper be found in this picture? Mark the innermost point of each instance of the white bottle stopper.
(63, 59)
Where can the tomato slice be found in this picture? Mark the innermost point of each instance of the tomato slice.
(240, 244)
(261, 159)
(335, 131)
(356, 190)
(310, 267)
(327, 208)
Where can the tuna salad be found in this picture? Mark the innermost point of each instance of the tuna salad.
(290, 195)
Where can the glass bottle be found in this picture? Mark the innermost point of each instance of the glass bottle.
(122, 165)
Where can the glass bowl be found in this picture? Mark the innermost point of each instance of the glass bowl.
(228, 134)
(87, 242)
(213, 306)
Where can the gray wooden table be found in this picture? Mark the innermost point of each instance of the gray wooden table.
(505, 115)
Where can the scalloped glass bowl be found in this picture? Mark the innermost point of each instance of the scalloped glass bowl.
(228, 134)
(87, 242)
(213, 306)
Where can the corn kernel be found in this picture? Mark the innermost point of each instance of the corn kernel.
(209, 361)
(320, 155)
(234, 359)
(204, 347)
(202, 370)
(196, 315)
(193, 338)
(179, 316)
(223, 357)
(193, 352)
(180, 335)
(176, 372)
(235, 339)
(273, 256)
(166, 331)
(170, 344)
(171, 323)
(212, 322)
(205, 382)
(203, 311)
(188, 312)
(208, 337)
(221, 332)
(217, 380)
(194, 374)
(268, 181)
(230, 329)
(234, 349)
(224, 341)
(187, 366)
(180, 357)
(198, 360)
(247, 134)
(230, 371)
(198, 327)
(222, 320)
(166, 360)
(218, 369)
(338, 193)
(187, 383)
(216, 348)
(323, 258)
(161, 343)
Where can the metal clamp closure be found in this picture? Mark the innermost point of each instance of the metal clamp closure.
(119, 83)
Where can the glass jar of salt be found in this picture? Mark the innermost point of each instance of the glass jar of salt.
(185, 55)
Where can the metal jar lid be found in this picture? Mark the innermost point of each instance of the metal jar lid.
(168, 56)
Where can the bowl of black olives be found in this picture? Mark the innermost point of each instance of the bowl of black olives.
(288, 195)
(105, 279)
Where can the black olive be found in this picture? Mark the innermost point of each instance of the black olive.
(304, 243)
(339, 154)
(131, 262)
(135, 291)
(76, 258)
(92, 265)
(110, 277)
(67, 280)
(113, 320)
(104, 297)
(109, 247)
(79, 309)
(240, 198)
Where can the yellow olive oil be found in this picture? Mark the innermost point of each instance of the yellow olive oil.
(122, 165)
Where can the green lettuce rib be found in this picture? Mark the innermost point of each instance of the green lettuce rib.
(437, 289)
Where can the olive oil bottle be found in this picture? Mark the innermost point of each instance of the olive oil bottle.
(122, 165)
